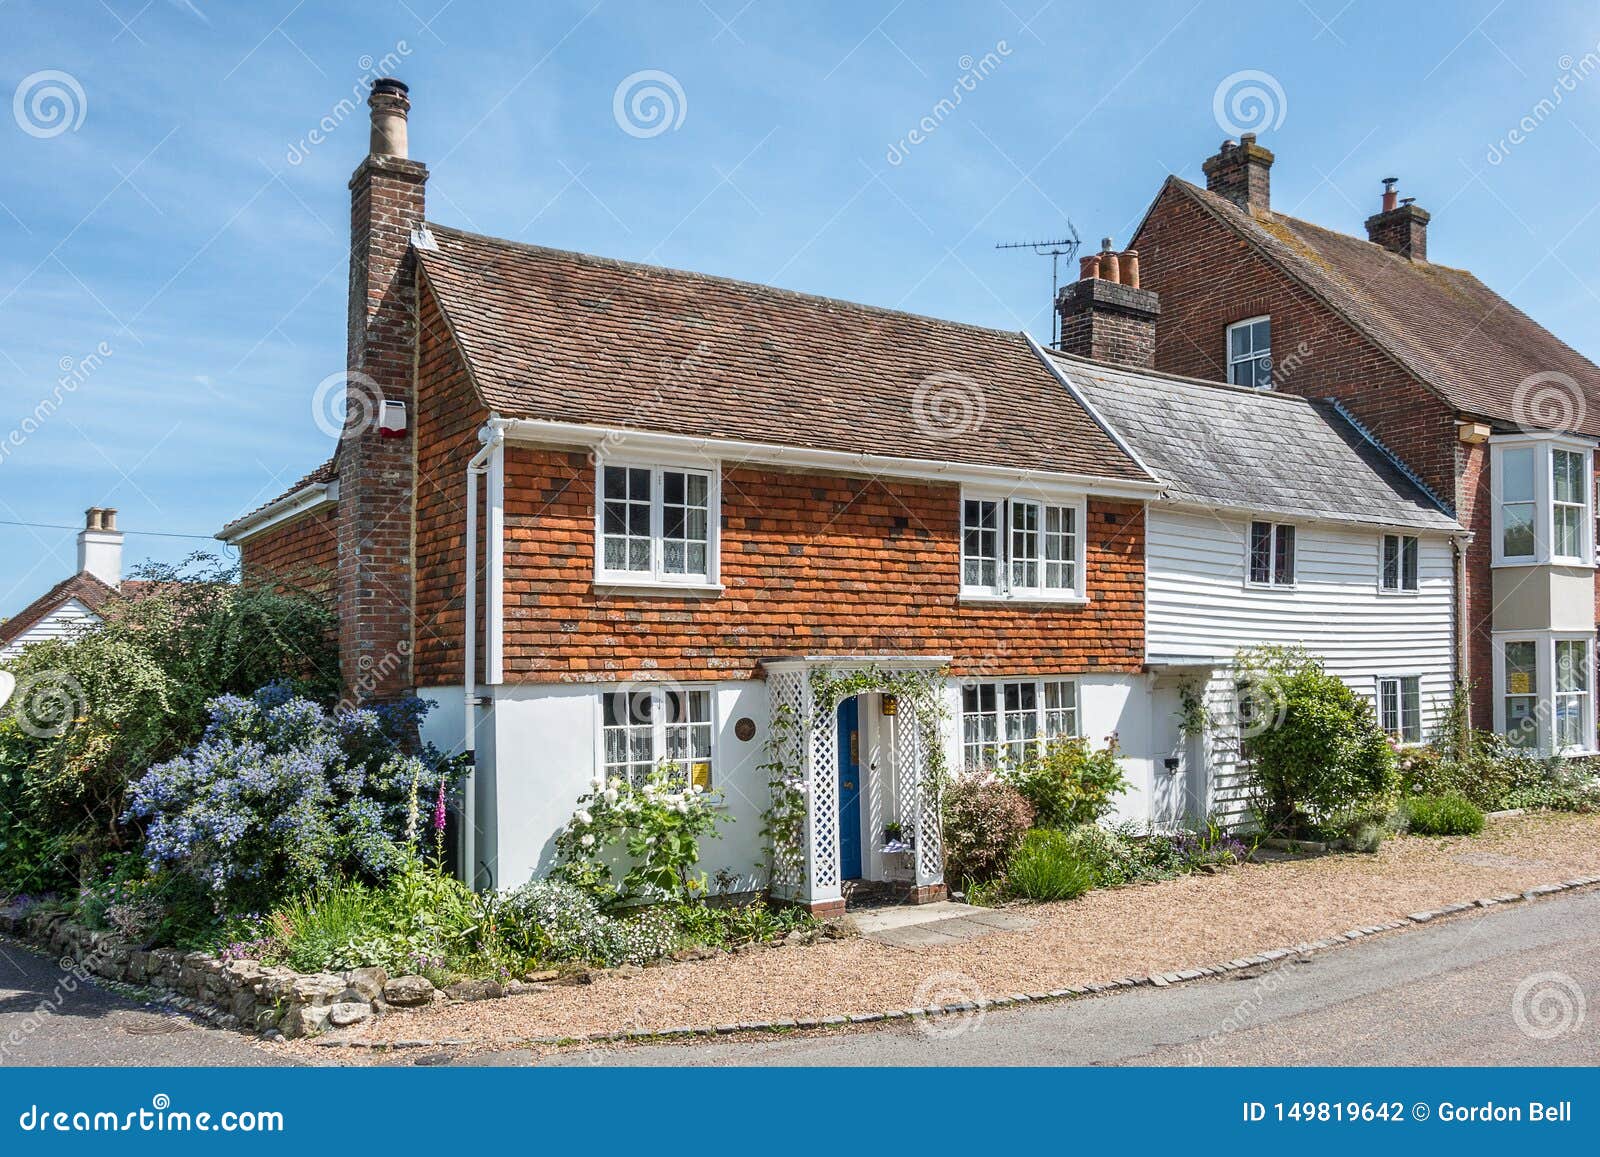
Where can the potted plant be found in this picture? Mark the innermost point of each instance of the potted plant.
(894, 838)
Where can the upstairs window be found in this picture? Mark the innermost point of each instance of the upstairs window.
(1399, 571)
(1543, 502)
(1250, 353)
(656, 525)
(1271, 554)
(1400, 708)
(1020, 548)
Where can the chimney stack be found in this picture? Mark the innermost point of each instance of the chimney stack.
(1105, 315)
(1400, 226)
(100, 546)
(1242, 173)
(376, 500)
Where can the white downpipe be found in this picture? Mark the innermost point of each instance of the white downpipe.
(488, 460)
(495, 584)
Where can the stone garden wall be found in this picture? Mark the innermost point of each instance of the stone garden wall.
(236, 994)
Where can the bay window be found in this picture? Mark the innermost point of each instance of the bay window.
(1004, 722)
(1543, 502)
(1021, 548)
(1544, 699)
(656, 525)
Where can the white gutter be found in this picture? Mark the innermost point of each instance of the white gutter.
(1258, 513)
(826, 461)
(302, 501)
(489, 460)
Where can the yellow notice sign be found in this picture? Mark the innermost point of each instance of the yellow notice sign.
(1519, 683)
(700, 774)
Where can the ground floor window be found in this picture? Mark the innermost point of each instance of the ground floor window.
(1544, 692)
(643, 727)
(1004, 721)
(1400, 708)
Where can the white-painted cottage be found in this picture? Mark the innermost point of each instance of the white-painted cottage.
(76, 601)
(1281, 522)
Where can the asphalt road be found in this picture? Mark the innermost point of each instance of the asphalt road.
(50, 1017)
(1440, 994)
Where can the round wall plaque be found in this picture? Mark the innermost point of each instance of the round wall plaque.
(745, 729)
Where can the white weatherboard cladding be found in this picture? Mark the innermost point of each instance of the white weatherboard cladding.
(62, 621)
(1198, 603)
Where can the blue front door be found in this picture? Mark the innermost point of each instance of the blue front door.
(849, 790)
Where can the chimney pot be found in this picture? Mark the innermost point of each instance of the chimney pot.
(1089, 267)
(100, 546)
(390, 105)
(108, 518)
(1110, 266)
(1130, 268)
(1389, 194)
(91, 518)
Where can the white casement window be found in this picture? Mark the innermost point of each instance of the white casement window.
(1021, 548)
(1544, 692)
(642, 728)
(1543, 502)
(656, 525)
(1398, 565)
(1003, 722)
(1250, 353)
(1271, 561)
(1400, 708)
(1572, 697)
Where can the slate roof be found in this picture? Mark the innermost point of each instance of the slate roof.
(1252, 450)
(83, 586)
(569, 337)
(1443, 324)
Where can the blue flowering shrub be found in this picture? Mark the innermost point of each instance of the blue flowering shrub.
(281, 796)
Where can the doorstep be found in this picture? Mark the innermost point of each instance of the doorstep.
(931, 925)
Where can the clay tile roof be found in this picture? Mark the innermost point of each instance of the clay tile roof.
(323, 474)
(1443, 324)
(568, 337)
(83, 586)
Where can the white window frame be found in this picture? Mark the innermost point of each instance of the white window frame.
(1545, 692)
(659, 723)
(1400, 575)
(1227, 350)
(1042, 712)
(1271, 584)
(1398, 734)
(1005, 587)
(1543, 449)
(657, 579)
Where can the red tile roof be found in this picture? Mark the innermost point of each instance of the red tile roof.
(569, 337)
(1443, 324)
(323, 474)
(83, 586)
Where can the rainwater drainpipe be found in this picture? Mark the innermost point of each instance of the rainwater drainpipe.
(489, 461)
(1463, 625)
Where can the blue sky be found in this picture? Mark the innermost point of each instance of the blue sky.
(174, 238)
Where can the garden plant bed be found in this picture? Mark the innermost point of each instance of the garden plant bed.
(1173, 928)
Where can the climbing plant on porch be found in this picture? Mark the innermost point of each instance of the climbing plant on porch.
(919, 693)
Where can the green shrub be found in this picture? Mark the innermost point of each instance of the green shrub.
(729, 925)
(1443, 815)
(984, 821)
(1314, 744)
(1045, 867)
(554, 922)
(1069, 783)
(1366, 837)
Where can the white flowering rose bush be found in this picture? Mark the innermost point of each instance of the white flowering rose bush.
(640, 842)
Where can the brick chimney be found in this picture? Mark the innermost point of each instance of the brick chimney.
(100, 545)
(376, 496)
(1105, 315)
(1400, 226)
(1242, 173)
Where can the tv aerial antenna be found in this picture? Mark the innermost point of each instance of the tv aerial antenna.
(1055, 250)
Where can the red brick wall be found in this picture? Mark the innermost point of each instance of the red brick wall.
(1208, 277)
(812, 564)
(304, 552)
(446, 426)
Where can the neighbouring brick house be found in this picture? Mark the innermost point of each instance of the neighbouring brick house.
(632, 515)
(1490, 411)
